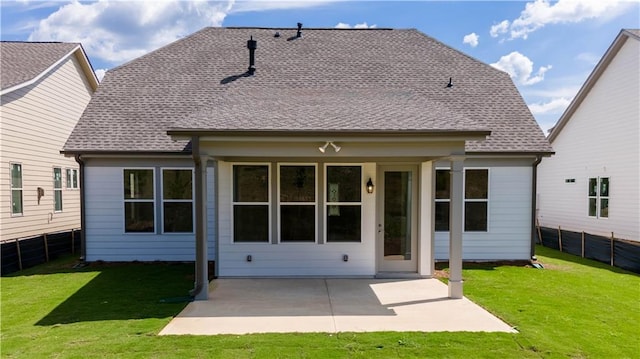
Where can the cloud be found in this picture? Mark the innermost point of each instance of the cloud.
(117, 31)
(539, 13)
(520, 68)
(588, 57)
(100, 73)
(500, 28)
(342, 25)
(554, 106)
(471, 39)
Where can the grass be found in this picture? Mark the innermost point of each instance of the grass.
(574, 308)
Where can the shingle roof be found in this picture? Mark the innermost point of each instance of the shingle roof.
(329, 80)
(23, 61)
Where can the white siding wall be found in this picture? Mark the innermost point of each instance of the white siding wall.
(295, 259)
(35, 123)
(601, 139)
(105, 236)
(509, 218)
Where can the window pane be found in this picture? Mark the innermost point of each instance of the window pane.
(57, 178)
(442, 184)
(138, 184)
(593, 187)
(138, 217)
(476, 184)
(475, 216)
(57, 200)
(69, 183)
(178, 217)
(344, 183)
(297, 184)
(442, 216)
(297, 223)
(16, 201)
(604, 187)
(176, 184)
(592, 207)
(343, 224)
(250, 183)
(604, 208)
(250, 223)
(16, 176)
(75, 178)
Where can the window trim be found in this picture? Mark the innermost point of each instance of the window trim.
(465, 200)
(11, 189)
(130, 200)
(598, 197)
(268, 203)
(279, 203)
(57, 190)
(71, 175)
(162, 200)
(326, 203)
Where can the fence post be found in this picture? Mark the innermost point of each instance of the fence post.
(539, 232)
(19, 254)
(73, 248)
(46, 248)
(612, 248)
(560, 238)
(582, 244)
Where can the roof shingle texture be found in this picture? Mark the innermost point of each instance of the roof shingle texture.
(328, 80)
(23, 61)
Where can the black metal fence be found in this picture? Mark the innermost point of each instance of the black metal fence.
(614, 251)
(28, 252)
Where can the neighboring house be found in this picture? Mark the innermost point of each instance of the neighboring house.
(45, 89)
(329, 156)
(592, 183)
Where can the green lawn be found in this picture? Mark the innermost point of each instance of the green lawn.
(574, 308)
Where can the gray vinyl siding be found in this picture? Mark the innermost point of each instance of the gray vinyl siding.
(105, 236)
(35, 123)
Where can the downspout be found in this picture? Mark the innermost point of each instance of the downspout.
(83, 247)
(534, 195)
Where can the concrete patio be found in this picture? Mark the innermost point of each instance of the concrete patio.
(242, 306)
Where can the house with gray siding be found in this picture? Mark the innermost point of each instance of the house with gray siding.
(308, 152)
(45, 88)
(592, 183)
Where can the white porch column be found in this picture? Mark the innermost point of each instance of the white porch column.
(201, 285)
(455, 228)
(426, 264)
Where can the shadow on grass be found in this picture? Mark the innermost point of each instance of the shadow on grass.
(556, 254)
(124, 292)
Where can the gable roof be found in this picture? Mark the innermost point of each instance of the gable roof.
(599, 69)
(329, 80)
(24, 63)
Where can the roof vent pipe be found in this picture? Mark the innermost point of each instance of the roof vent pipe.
(299, 33)
(252, 45)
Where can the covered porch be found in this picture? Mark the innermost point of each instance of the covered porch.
(367, 210)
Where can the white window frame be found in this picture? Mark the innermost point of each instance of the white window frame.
(326, 203)
(598, 197)
(465, 200)
(21, 189)
(71, 178)
(315, 204)
(233, 203)
(163, 200)
(441, 200)
(125, 201)
(57, 190)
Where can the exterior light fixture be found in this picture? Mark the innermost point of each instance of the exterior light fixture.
(323, 148)
(369, 186)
